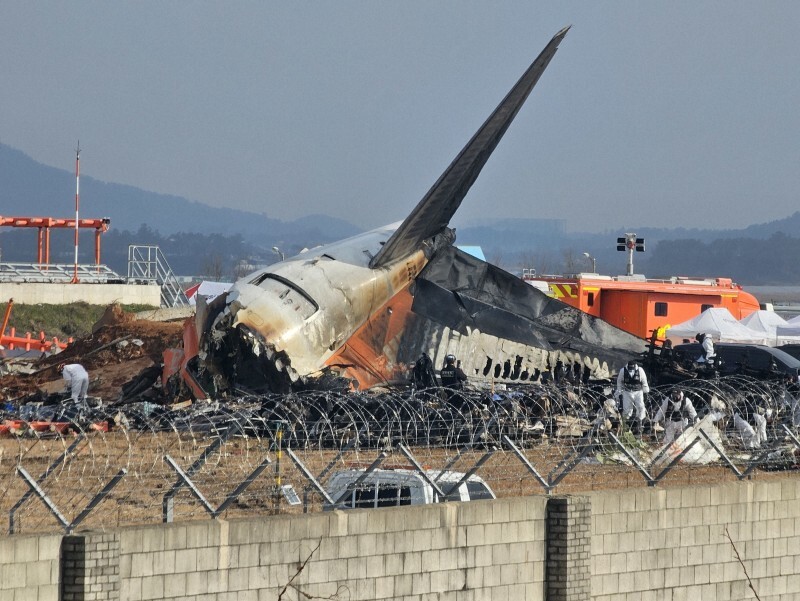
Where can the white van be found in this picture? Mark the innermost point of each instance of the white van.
(392, 487)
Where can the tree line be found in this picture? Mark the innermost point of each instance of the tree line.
(747, 260)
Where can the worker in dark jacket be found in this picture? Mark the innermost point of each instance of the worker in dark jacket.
(451, 374)
(424, 375)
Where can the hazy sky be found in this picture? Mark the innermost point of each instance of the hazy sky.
(677, 113)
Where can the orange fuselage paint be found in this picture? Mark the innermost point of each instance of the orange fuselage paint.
(366, 350)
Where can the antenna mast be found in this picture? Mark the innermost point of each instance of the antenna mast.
(77, 204)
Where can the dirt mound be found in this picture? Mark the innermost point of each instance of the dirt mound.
(112, 316)
(120, 342)
(119, 347)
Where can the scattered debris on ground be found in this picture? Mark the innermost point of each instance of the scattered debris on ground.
(117, 351)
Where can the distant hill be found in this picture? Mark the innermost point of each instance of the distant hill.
(30, 188)
(229, 236)
(760, 254)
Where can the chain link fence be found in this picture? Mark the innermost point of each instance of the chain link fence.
(66, 467)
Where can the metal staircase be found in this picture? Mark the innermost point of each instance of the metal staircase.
(147, 264)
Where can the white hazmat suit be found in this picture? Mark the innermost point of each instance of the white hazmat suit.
(78, 380)
(632, 386)
(677, 412)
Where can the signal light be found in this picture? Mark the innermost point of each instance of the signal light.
(630, 242)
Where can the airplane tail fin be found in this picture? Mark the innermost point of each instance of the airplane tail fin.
(433, 213)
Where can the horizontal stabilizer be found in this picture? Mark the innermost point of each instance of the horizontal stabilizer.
(434, 211)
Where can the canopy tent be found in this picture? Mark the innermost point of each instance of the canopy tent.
(718, 323)
(210, 290)
(770, 323)
(763, 321)
(790, 329)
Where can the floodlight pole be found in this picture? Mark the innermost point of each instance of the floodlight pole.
(630, 244)
(593, 260)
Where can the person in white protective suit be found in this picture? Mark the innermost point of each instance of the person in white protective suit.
(632, 387)
(677, 412)
(77, 379)
(707, 354)
(752, 437)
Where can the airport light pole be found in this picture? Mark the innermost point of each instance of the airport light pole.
(279, 252)
(629, 244)
(75, 279)
(593, 260)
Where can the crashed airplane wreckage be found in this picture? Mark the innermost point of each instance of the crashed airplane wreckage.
(365, 308)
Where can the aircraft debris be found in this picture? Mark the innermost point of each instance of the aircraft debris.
(701, 453)
(365, 309)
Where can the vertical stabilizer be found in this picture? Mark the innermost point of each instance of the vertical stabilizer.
(435, 210)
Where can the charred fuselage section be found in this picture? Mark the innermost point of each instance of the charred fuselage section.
(502, 329)
(242, 360)
(276, 329)
(345, 309)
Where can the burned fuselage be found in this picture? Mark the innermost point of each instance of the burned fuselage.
(346, 309)
(281, 324)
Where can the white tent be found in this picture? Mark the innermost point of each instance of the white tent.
(790, 329)
(718, 323)
(210, 290)
(770, 323)
(763, 321)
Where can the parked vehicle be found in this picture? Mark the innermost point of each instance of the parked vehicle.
(393, 487)
(793, 349)
(754, 360)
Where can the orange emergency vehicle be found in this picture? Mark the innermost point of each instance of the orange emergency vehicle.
(639, 305)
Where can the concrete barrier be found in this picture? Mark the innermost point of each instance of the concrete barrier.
(41, 293)
(30, 568)
(640, 544)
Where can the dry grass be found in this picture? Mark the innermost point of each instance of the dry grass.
(138, 497)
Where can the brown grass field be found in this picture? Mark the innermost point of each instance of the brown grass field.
(138, 497)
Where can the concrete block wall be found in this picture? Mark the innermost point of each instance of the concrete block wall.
(29, 568)
(654, 544)
(644, 545)
(90, 567)
(467, 551)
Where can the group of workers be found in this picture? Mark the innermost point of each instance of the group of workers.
(451, 374)
(676, 411)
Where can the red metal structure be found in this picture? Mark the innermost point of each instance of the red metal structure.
(27, 342)
(44, 224)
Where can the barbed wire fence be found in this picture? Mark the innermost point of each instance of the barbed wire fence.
(67, 467)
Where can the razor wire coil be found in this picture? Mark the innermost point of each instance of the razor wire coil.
(238, 457)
